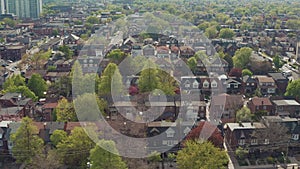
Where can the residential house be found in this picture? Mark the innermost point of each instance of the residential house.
(15, 105)
(225, 106)
(286, 107)
(149, 51)
(174, 52)
(240, 135)
(266, 85)
(249, 84)
(293, 126)
(167, 136)
(163, 52)
(261, 104)
(234, 85)
(12, 52)
(280, 81)
(47, 111)
(186, 51)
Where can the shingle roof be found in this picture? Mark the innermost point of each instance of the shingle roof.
(258, 101)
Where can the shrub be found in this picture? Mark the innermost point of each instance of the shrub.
(270, 160)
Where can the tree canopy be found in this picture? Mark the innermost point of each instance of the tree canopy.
(111, 77)
(242, 57)
(26, 142)
(65, 111)
(148, 80)
(293, 89)
(197, 155)
(38, 85)
(74, 150)
(244, 115)
(101, 158)
(226, 33)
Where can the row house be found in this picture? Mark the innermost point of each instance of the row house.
(261, 104)
(286, 107)
(225, 106)
(280, 81)
(240, 135)
(266, 85)
(249, 84)
(15, 105)
(167, 136)
(293, 126)
(12, 52)
(202, 84)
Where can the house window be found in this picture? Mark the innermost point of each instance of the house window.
(264, 107)
(205, 85)
(254, 142)
(241, 142)
(228, 85)
(195, 85)
(202, 108)
(267, 141)
(236, 86)
(252, 84)
(295, 136)
(214, 84)
(170, 132)
(247, 84)
(170, 143)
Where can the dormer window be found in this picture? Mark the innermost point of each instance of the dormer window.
(205, 84)
(267, 141)
(195, 84)
(170, 133)
(295, 136)
(214, 84)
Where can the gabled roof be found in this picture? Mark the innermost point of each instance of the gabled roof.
(259, 101)
(286, 103)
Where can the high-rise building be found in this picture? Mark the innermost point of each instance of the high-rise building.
(2, 6)
(23, 8)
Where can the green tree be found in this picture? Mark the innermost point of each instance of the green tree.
(38, 85)
(101, 158)
(241, 153)
(67, 51)
(111, 77)
(26, 142)
(211, 32)
(65, 111)
(10, 22)
(74, 150)
(242, 57)
(277, 62)
(192, 63)
(88, 107)
(39, 58)
(92, 20)
(293, 89)
(50, 160)
(15, 80)
(226, 33)
(116, 55)
(196, 155)
(167, 83)
(244, 115)
(154, 159)
(203, 26)
(246, 72)
(58, 136)
(148, 80)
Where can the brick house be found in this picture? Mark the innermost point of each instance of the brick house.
(287, 108)
(258, 104)
(12, 52)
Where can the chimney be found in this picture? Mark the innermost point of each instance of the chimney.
(65, 126)
(241, 124)
(251, 123)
